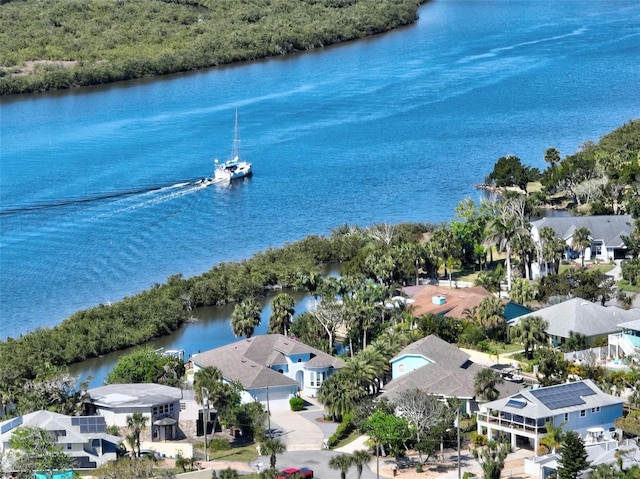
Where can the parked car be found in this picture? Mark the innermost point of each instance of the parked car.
(303, 472)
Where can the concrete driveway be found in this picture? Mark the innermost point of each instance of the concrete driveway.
(302, 430)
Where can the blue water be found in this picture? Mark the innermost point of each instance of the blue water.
(395, 128)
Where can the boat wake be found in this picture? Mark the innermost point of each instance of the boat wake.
(172, 189)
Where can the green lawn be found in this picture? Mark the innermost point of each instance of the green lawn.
(624, 285)
(244, 453)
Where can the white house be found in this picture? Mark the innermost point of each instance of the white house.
(84, 438)
(578, 406)
(271, 367)
(605, 233)
(160, 404)
(577, 315)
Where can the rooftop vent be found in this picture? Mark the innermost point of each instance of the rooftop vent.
(438, 299)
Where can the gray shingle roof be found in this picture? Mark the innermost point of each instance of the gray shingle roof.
(436, 350)
(248, 361)
(607, 228)
(451, 373)
(582, 316)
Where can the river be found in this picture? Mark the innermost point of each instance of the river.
(97, 200)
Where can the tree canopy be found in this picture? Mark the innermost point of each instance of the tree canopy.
(62, 44)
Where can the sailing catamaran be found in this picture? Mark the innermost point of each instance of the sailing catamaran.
(231, 169)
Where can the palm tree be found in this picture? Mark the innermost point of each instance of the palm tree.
(552, 249)
(485, 382)
(502, 230)
(380, 364)
(490, 315)
(359, 458)
(451, 263)
(137, 422)
(245, 318)
(581, 241)
(360, 373)
(554, 437)
(341, 462)
(530, 332)
(271, 447)
(209, 387)
(336, 395)
(281, 313)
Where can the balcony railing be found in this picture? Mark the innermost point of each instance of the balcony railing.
(528, 425)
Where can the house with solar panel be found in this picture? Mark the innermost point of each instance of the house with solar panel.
(271, 368)
(83, 438)
(578, 406)
(160, 404)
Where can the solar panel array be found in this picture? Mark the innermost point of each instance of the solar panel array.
(89, 424)
(565, 395)
(15, 422)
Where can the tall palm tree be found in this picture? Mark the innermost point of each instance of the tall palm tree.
(245, 318)
(359, 458)
(502, 230)
(281, 313)
(342, 463)
(136, 423)
(271, 447)
(209, 387)
(451, 263)
(485, 382)
(551, 250)
(581, 241)
(530, 332)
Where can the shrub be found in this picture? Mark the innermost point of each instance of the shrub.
(478, 440)
(468, 475)
(344, 429)
(297, 404)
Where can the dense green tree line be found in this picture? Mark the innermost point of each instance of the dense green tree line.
(67, 43)
(601, 178)
(163, 308)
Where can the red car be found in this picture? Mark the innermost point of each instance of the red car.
(305, 473)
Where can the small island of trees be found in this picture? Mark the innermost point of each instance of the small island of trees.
(61, 44)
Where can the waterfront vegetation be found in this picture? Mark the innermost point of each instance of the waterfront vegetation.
(374, 262)
(69, 43)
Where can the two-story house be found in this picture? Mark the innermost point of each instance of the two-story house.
(271, 367)
(83, 438)
(160, 404)
(578, 406)
(606, 233)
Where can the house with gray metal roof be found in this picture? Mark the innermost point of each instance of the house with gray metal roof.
(439, 368)
(160, 404)
(578, 406)
(581, 316)
(83, 438)
(606, 233)
(271, 367)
